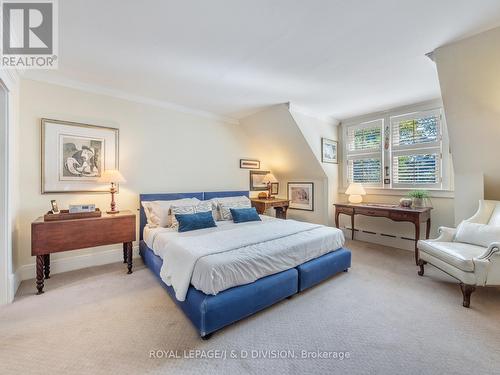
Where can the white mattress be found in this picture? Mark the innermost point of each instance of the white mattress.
(216, 272)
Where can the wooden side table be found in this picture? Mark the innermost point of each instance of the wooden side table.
(49, 237)
(280, 205)
(393, 212)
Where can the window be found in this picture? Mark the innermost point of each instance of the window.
(398, 151)
(364, 153)
(416, 150)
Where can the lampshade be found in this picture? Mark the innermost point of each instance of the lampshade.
(112, 175)
(269, 178)
(355, 189)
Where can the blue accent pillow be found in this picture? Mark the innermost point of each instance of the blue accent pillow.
(200, 220)
(242, 215)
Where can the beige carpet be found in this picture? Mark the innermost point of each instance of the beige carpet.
(102, 321)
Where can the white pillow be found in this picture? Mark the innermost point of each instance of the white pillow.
(495, 216)
(205, 206)
(147, 211)
(477, 234)
(225, 204)
(160, 210)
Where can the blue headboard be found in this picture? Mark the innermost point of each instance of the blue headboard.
(172, 196)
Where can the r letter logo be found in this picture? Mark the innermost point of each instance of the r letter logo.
(29, 34)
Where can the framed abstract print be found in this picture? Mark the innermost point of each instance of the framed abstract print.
(249, 164)
(275, 188)
(75, 155)
(329, 151)
(301, 195)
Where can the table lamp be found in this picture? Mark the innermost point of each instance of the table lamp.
(355, 192)
(114, 177)
(268, 180)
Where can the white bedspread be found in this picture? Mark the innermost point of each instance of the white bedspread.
(219, 258)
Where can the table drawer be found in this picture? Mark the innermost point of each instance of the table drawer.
(403, 216)
(344, 210)
(372, 212)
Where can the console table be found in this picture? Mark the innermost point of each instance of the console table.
(393, 212)
(63, 235)
(280, 205)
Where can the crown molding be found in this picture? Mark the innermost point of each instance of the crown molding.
(306, 112)
(102, 90)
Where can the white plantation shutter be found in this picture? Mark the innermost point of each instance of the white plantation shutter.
(416, 150)
(364, 153)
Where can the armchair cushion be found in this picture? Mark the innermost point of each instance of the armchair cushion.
(459, 255)
(477, 234)
(495, 216)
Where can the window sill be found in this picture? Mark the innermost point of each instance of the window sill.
(448, 194)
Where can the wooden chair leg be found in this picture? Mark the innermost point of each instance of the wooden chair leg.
(466, 292)
(421, 264)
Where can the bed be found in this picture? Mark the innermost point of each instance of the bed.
(225, 287)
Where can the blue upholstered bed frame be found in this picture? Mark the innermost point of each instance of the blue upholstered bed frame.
(210, 313)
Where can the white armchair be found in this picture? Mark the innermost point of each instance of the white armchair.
(470, 253)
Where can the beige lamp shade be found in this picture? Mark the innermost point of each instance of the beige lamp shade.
(112, 175)
(269, 178)
(355, 192)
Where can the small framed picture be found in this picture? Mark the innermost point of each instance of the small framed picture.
(301, 195)
(256, 178)
(249, 164)
(53, 204)
(329, 151)
(275, 188)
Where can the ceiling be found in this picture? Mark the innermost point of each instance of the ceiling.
(334, 58)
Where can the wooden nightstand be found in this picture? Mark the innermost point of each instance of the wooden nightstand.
(55, 236)
(280, 205)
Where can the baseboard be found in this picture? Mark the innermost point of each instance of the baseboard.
(28, 271)
(380, 239)
(14, 282)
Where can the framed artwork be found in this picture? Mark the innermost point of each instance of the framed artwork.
(249, 164)
(75, 155)
(275, 188)
(256, 178)
(301, 195)
(329, 151)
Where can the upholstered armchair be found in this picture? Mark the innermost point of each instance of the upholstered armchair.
(470, 253)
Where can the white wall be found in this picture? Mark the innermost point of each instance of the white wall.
(469, 75)
(160, 151)
(313, 129)
(277, 140)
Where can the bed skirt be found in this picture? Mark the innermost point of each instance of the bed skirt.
(209, 313)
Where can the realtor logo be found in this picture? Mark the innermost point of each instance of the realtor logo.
(29, 34)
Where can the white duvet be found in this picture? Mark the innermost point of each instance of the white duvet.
(216, 259)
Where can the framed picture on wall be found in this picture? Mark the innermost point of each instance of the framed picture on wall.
(75, 155)
(256, 178)
(275, 188)
(249, 164)
(301, 195)
(329, 151)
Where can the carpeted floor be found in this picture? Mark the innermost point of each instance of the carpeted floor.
(389, 320)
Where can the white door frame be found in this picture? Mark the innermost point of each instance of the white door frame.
(5, 248)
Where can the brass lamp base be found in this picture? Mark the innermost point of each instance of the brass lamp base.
(112, 212)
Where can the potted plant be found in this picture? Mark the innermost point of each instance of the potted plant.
(418, 197)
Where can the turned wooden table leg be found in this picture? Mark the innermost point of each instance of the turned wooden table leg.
(46, 261)
(428, 229)
(417, 237)
(352, 226)
(129, 257)
(39, 273)
(125, 253)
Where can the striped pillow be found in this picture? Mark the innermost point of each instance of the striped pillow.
(203, 206)
(226, 205)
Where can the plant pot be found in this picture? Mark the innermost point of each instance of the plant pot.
(418, 202)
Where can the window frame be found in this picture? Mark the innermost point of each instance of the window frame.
(375, 153)
(445, 186)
